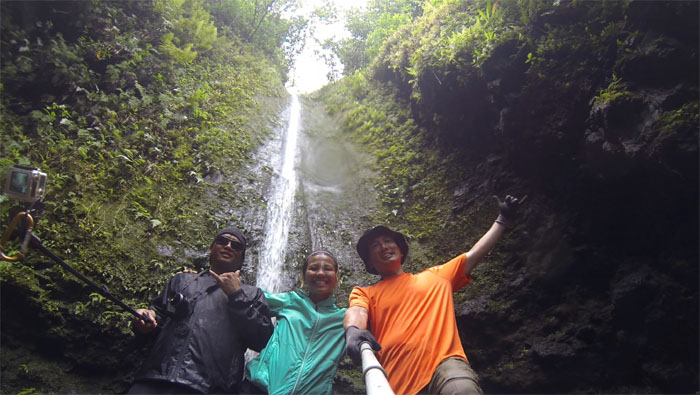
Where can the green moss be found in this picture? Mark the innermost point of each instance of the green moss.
(31, 374)
(128, 141)
(349, 378)
(416, 176)
(616, 90)
(684, 118)
(498, 306)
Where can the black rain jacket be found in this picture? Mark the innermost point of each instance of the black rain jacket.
(202, 338)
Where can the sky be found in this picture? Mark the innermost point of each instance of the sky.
(309, 73)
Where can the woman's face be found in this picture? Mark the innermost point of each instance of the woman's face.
(320, 277)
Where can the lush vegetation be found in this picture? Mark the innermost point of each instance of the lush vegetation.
(143, 115)
(436, 73)
(582, 106)
(146, 114)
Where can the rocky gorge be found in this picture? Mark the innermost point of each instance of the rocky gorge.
(588, 108)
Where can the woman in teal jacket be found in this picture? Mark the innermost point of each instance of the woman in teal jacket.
(308, 342)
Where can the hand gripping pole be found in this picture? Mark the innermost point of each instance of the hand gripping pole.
(8, 233)
(375, 377)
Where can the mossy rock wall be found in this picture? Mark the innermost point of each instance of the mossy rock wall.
(590, 109)
(149, 149)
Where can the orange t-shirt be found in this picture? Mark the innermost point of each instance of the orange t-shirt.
(412, 317)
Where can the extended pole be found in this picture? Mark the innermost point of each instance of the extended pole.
(36, 243)
(375, 377)
(31, 240)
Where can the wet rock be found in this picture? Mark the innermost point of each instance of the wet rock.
(165, 250)
(552, 349)
(214, 178)
(473, 308)
(630, 296)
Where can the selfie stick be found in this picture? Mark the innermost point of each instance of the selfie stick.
(376, 381)
(30, 239)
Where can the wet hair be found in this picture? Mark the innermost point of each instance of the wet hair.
(319, 252)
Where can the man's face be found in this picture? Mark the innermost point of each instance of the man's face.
(226, 254)
(385, 255)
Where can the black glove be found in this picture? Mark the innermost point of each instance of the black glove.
(355, 336)
(508, 207)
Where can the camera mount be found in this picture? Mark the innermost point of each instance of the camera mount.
(27, 184)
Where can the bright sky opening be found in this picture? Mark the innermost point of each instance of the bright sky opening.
(310, 71)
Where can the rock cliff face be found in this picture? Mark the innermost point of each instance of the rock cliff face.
(596, 290)
(594, 116)
(602, 287)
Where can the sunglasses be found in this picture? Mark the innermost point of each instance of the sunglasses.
(223, 241)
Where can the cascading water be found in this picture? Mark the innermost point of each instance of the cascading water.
(279, 208)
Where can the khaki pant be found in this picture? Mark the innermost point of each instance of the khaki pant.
(453, 376)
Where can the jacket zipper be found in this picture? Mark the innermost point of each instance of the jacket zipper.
(306, 352)
(181, 355)
(175, 374)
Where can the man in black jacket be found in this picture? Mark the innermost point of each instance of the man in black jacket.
(204, 324)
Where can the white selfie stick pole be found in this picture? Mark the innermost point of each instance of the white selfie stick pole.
(375, 376)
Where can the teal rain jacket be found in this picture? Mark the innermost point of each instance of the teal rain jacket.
(305, 348)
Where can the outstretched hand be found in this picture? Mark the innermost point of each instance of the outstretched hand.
(229, 282)
(508, 209)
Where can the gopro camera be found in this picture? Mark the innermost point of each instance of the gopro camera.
(26, 184)
(180, 305)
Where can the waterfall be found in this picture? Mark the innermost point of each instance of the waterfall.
(279, 208)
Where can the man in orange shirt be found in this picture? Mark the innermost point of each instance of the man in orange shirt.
(412, 315)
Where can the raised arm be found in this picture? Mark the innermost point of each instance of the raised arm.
(508, 208)
(483, 246)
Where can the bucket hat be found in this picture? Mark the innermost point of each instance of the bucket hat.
(363, 245)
